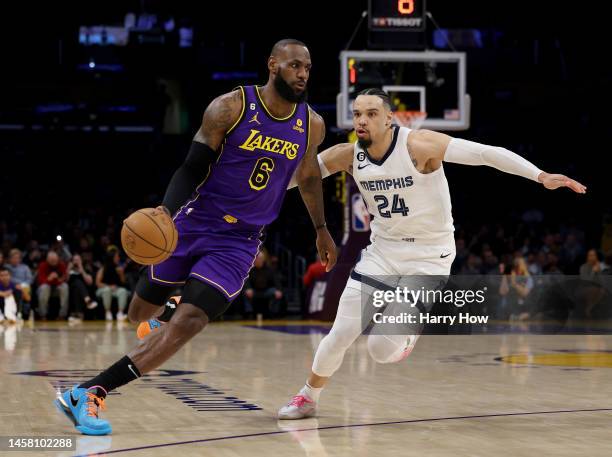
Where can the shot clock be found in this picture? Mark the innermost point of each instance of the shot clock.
(396, 15)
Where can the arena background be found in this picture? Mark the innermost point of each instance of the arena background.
(538, 78)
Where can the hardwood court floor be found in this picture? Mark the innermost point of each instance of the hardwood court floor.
(454, 396)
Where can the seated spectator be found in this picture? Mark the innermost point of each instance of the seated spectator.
(571, 254)
(490, 264)
(472, 265)
(110, 281)
(521, 284)
(552, 265)
(52, 276)
(9, 296)
(79, 281)
(262, 291)
(62, 250)
(532, 265)
(22, 276)
(592, 267)
(33, 255)
(314, 271)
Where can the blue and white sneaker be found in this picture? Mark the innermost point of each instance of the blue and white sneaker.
(81, 406)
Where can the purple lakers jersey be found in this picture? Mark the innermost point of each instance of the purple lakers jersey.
(245, 188)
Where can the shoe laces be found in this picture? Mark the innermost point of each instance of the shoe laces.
(299, 401)
(93, 403)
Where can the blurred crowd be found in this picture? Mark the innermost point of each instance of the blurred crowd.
(82, 273)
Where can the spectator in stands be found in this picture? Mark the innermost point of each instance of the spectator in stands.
(52, 276)
(571, 254)
(542, 261)
(80, 281)
(20, 272)
(9, 296)
(22, 276)
(592, 267)
(552, 267)
(490, 264)
(533, 265)
(33, 255)
(521, 284)
(262, 288)
(88, 261)
(461, 256)
(62, 249)
(110, 281)
(314, 271)
(550, 245)
(472, 265)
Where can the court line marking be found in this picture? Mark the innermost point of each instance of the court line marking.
(331, 427)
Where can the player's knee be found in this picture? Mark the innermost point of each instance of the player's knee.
(337, 339)
(189, 322)
(384, 349)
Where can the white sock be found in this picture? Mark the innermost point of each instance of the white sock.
(311, 392)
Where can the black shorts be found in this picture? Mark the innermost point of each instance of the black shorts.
(198, 293)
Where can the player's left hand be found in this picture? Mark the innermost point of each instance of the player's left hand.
(554, 181)
(327, 248)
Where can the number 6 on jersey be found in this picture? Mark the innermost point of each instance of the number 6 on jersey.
(261, 173)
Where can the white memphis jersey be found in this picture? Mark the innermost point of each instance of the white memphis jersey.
(406, 204)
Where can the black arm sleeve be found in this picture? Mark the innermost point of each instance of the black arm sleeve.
(190, 174)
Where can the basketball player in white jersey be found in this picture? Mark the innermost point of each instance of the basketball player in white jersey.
(400, 175)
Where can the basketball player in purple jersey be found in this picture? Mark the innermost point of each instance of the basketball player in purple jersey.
(249, 145)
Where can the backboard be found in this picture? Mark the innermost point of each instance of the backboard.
(431, 82)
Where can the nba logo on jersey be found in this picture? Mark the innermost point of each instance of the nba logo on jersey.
(360, 216)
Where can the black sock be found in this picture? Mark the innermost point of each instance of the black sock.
(117, 375)
(168, 312)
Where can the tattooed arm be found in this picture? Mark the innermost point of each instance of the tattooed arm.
(308, 177)
(218, 118)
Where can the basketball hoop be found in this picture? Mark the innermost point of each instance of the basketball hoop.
(410, 119)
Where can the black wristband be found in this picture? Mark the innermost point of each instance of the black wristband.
(324, 224)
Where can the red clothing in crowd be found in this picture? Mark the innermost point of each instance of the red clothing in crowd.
(44, 270)
(314, 271)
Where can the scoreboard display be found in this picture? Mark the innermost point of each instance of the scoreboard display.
(396, 15)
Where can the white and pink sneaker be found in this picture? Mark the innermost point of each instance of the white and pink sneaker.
(300, 407)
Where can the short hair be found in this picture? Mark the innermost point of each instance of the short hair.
(284, 42)
(3, 268)
(384, 96)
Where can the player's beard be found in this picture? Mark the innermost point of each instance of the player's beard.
(364, 142)
(287, 92)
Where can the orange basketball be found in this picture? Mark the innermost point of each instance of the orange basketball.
(148, 236)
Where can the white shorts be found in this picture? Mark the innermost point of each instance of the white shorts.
(386, 257)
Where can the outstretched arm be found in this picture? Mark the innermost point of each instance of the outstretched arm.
(308, 177)
(331, 161)
(218, 118)
(438, 146)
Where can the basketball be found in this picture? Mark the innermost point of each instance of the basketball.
(148, 236)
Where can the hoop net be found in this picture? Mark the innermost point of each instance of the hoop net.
(410, 119)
